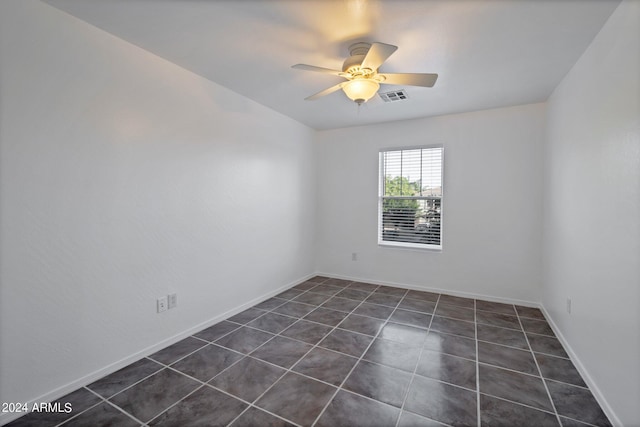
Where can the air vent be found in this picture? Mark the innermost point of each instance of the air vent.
(393, 96)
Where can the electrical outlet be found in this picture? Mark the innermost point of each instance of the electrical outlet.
(569, 305)
(354, 256)
(162, 304)
(173, 300)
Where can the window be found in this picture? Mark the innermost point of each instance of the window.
(410, 197)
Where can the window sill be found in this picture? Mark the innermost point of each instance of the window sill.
(410, 246)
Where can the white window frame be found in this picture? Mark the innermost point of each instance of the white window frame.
(381, 197)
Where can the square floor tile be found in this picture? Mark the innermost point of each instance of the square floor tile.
(272, 322)
(216, 331)
(577, 403)
(305, 286)
(150, 397)
(350, 410)
(341, 304)
(361, 324)
(254, 417)
(378, 382)
(412, 318)
(417, 305)
(409, 419)
(373, 310)
(537, 326)
(497, 319)
(289, 294)
(456, 312)
(367, 287)
(508, 337)
(496, 307)
(123, 378)
(312, 298)
(244, 340)
(326, 290)
(246, 316)
(507, 357)
(514, 386)
(383, 299)
(403, 333)
(451, 344)
(422, 295)
(338, 282)
(390, 290)
(532, 313)
(353, 294)
(248, 378)
(547, 345)
(326, 365)
(394, 354)
(326, 316)
(295, 309)
(204, 407)
(282, 351)
(447, 368)
(453, 326)
(207, 362)
(102, 415)
(178, 350)
(347, 342)
(559, 369)
(442, 402)
(297, 398)
(498, 412)
(459, 301)
(308, 332)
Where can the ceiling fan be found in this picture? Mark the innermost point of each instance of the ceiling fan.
(361, 71)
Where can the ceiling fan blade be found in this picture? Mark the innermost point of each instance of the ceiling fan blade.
(325, 92)
(378, 53)
(409, 79)
(306, 67)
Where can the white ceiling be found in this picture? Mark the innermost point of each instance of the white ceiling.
(487, 53)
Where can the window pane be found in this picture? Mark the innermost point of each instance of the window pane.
(415, 172)
(411, 196)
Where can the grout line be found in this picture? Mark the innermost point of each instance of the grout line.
(540, 372)
(312, 285)
(340, 387)
(83, 411)
(415, 367)
(290, 369)
(520, 404)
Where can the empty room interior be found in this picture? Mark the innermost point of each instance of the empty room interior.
(320, 213)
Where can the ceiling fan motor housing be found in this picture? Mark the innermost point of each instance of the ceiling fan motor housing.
(351, 65)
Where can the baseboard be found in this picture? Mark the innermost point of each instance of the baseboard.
(436, 290)
(595, 390)
(96, 375)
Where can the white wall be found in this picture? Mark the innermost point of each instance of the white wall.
(592, 214)
(491, 206)
(125, 177)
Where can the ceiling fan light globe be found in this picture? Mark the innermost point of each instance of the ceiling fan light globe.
(361, 90)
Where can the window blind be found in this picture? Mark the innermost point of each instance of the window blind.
(410, 199)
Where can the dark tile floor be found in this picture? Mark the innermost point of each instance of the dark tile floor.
(330, 352)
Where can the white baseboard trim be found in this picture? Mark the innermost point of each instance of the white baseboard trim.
(595, 390)
(96, 375)
(435, 290)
